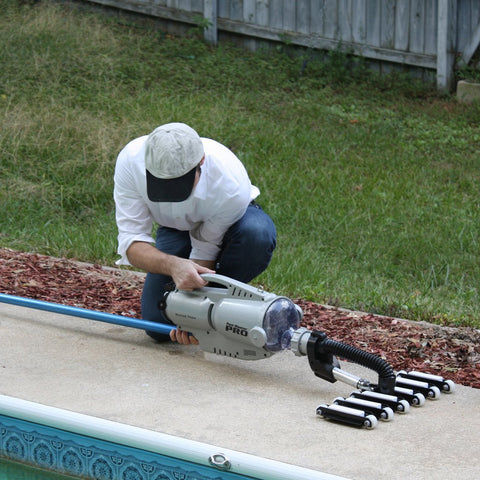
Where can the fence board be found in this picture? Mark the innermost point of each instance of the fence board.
(417, 17)
(184, 5)
(210, 13)
(330, 25)
(223, 9)
(464, 19)
(345, 21)
(236, 9)
(317, 18)
(402, 25)
(289, 16)
(303, 16)
(262, 12)
(447, 21)
(197, 5)
(373, 22)
(387, 24)
(359, 22)
(472, 46)
(431, 19)
(475, 15)
(276, 14)
(249, 11)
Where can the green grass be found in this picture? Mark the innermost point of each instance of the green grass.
(373, 182)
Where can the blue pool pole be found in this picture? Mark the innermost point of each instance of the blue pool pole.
(85, 313)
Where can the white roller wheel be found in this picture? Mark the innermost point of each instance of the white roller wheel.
(401, 372)
(387, 414)
(418, 400)
(434, 393)
(319, 411)
(449, 386)
(403, 407)
(336, 399)
(370, 422)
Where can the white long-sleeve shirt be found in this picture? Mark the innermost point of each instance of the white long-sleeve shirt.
(219, 199)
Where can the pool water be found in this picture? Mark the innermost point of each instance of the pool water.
(17, 471)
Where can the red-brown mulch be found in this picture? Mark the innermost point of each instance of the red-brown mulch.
(453, 353)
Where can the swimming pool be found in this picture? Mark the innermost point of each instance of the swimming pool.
(79, 445)
(17, 471)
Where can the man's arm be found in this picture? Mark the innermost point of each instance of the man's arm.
(185, 273)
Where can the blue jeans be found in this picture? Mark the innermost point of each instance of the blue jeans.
(246, 251)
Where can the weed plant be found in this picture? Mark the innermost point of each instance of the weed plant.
(373, 182)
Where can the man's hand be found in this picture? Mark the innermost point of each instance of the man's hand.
(184, 338)
(186, 274)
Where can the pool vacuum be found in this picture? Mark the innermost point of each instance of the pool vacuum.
(233, 319)
(237, 320)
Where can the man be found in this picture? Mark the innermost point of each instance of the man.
(199, 195)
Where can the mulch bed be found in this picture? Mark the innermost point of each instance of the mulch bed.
(453, 353)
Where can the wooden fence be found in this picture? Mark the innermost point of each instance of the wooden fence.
(435, 35)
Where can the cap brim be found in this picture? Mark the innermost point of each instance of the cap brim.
(171, 189)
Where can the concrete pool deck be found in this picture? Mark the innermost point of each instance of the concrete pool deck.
(264, 408)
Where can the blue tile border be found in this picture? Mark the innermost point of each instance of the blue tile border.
(87, 447)
(76, 455)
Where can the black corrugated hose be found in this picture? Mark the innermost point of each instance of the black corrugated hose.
(322, 349)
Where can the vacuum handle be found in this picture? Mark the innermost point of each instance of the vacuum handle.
(219, 279)
(235, 288)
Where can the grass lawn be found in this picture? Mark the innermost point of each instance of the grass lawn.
(373, 182)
